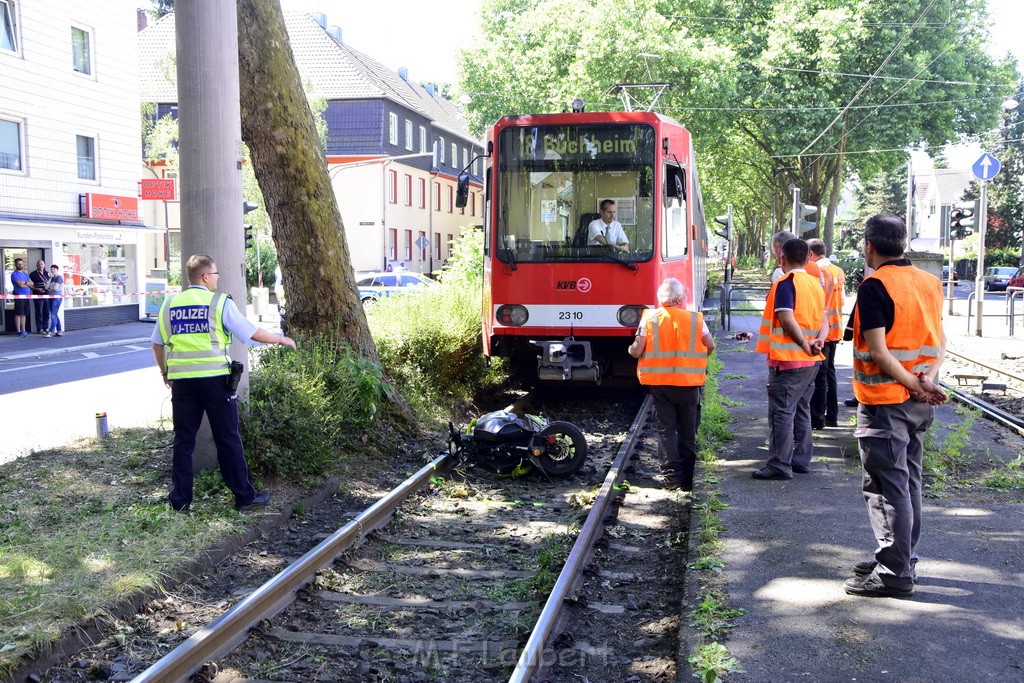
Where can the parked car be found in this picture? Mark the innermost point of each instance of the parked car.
(998, 277)
(374, 286)
(946, 277)
(1018, 279)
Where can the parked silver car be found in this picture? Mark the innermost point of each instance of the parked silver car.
(998, 277)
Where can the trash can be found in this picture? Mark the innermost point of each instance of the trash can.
(260, 301)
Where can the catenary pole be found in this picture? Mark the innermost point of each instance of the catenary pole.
(979, 282)
(210, 153)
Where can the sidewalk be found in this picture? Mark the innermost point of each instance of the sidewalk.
(790, 545)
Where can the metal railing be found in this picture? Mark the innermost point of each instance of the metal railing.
(1009, 313)
(729, 290)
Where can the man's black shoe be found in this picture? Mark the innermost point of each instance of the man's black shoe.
(261, 500)
(831, 423)
(800, 469)
(769, 473)
(871, 586)
(818, 425)
(867, 566)
(852, 402)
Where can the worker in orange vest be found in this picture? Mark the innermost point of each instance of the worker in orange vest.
(825, 400)
(899, 345)
(793, 329)
(672, 345)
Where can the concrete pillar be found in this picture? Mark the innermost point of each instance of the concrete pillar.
(210, 149)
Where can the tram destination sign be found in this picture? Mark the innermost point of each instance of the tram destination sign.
(594, 143)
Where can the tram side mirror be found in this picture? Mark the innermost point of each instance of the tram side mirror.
(462, 191)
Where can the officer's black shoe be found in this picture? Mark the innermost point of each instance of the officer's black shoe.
(261, 500)
(852, 402)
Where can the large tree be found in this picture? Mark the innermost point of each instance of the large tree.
(278, 127)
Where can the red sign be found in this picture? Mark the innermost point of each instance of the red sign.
(158, 188)
(109, 207)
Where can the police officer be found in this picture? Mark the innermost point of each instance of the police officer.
(672, 345)
(190, 345)
(793, 330)
(898, 348)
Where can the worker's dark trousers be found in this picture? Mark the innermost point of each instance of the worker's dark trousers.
(190, 398)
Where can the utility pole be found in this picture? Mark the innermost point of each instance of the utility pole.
(210, 149)
(979, 284)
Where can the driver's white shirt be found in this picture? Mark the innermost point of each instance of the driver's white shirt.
(612, 232)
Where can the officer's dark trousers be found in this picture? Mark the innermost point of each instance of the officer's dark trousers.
(891, 439)
(190, 398)
(825, 401)
(678, 411)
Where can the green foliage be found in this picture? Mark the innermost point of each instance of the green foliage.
(429, 341)
(306, 407)
(264, 255)
(713, 661)
(945, 460)
(1008, 476)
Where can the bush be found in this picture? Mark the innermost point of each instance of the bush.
(307, 406)
(267, 265)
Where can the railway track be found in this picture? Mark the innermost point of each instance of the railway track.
(1001, 401)
(451, 583)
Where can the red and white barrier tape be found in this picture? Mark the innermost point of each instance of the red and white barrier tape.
(85, 294)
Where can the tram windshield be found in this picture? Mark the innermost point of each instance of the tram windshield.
(552, 182)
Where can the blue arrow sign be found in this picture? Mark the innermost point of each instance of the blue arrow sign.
(986, 168)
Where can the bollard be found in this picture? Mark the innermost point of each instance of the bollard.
(101, 425)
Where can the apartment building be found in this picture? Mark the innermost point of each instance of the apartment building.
(394, 147)
(69, 155)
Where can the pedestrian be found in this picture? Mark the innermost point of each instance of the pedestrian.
(899, 345)
(672, 345)
(55, 288)
(190, 345)
(793, 329)
(778, 239)
(22, 286)
(825, 399)
(40, 279)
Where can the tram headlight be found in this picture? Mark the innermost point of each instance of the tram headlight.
(629, 316)
(512, 315)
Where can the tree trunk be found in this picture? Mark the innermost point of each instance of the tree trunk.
(292, 172)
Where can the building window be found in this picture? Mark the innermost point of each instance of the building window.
(10, 145)
(8, 27)
(451, 201)
(86, 147)
(426, 245)
(408, 245)
(472, 203)
(437, 245)
(408, 190)
(451, 243)
(393, 128)
(455, 154)
(80, 48)
(465, 157)
(408, 135)
(393, 187)
(437, 197)
(440, 145)
(423, 138)
(423, 193)
(393, 244)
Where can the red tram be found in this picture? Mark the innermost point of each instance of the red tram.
(559, 305)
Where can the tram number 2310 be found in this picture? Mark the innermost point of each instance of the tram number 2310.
(570, 315)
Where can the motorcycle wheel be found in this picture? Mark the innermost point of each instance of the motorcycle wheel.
(566, 452)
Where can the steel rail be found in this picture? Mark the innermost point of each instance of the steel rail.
(1001, 416)
(531, 657)
(231, 628)
(987, 367)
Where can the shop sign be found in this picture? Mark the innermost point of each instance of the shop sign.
(158, 188)
(108, 207)
(98, 236)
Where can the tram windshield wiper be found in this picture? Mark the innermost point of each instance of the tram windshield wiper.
(613, 257)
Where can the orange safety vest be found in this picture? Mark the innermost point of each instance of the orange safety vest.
(914, 340)
(674, 353)
(809, 311)
(834, 301)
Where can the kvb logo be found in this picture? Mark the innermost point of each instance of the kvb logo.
(584, 284)
(564, 285)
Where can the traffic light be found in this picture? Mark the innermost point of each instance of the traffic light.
(725, 220)
(961, 220)
(804, 210)
(248, 236)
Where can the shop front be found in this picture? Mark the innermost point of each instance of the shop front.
(101, 266)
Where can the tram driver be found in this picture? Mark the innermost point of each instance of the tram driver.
(606, 230)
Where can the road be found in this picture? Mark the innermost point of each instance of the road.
(51, 401)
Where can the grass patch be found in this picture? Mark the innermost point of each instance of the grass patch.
(946, 460)
(1007, 477)
(87, 526)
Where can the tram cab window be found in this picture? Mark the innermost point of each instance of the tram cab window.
(550, 184)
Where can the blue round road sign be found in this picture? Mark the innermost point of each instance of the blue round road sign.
(986, 168)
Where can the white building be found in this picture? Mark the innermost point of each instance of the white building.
(935, 190)
(69, 154)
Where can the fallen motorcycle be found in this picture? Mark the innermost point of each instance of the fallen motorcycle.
(509, 444)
